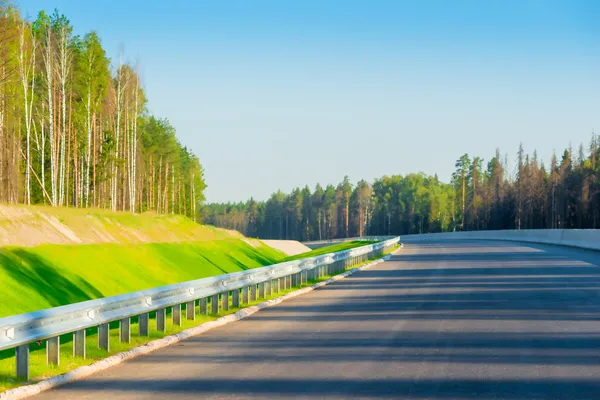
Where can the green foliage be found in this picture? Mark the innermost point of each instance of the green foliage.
(329, 249)
(565, 195)
(85, 137)
(53, 275)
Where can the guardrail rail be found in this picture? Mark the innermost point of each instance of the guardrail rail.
(315, 244)
(204, 295)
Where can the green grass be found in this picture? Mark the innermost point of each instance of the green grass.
(329, 249)
(40, 370)
(35, 278)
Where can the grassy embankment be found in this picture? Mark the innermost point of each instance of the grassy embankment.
(40, 370)
(329, 249)
(61, 256)
(121, 253)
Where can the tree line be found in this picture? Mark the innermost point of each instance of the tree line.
(531, 195)
(75, 130)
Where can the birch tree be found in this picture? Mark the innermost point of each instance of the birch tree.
(27, 72)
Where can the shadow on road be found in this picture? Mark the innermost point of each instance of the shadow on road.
(452, 321)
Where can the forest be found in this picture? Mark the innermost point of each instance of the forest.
(75, 130)
(529, 195)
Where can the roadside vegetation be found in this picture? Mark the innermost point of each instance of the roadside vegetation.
(52, 275)
(75, 128)
(88, 254)
(40, 370)
(562, 192)
(329, 249)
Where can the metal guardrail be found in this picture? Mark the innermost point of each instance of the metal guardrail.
(20, 330)
(315, 244)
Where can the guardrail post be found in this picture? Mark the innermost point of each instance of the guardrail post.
(214, 304)
(103, 336)
(79, 343)
(268, 287)
(144, 324)
(161, 320)
(190, 313)
(275, 285)
(289, 281)
(225, 301)
(303, 279)
(245, 297)
(125, 330)
(253, 292)
(53, 350)
(22, 361)
(261, 290)
(176, 314)
(203, 306)
(235, 298)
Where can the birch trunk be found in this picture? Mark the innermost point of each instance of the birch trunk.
(27, 71)
(64, 58)
(50, 83)
(134, 155)
(89, 129)
(117, 131)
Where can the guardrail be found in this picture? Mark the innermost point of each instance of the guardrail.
(315, 244)
(203, 294)
(582, 238)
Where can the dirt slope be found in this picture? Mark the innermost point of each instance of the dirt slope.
(28, 226)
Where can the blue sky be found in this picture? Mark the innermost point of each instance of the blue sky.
(278, 94)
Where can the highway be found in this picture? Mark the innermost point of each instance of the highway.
(446, 320)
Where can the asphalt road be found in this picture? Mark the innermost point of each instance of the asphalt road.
(439, 321)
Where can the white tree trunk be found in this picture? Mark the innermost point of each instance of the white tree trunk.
(27, 69)
(64, 71)
(117, 131)
(49, 81)
(43, 156)
(89, 146)
(134, 155)
(193, 189)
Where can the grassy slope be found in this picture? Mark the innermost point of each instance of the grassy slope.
(46, 276)
(329, 249)
(56, 256)
(124, 256)
(39, 368)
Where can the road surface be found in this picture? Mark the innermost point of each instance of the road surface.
(452, 320)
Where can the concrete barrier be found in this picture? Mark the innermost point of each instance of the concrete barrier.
(582, 238)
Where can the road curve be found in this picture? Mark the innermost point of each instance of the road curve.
(447, 320)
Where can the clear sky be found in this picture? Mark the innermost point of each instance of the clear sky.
(277, 94)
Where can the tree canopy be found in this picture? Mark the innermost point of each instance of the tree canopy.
(75, 130)
(480, 195)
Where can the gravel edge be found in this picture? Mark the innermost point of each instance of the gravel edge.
(85, 371)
